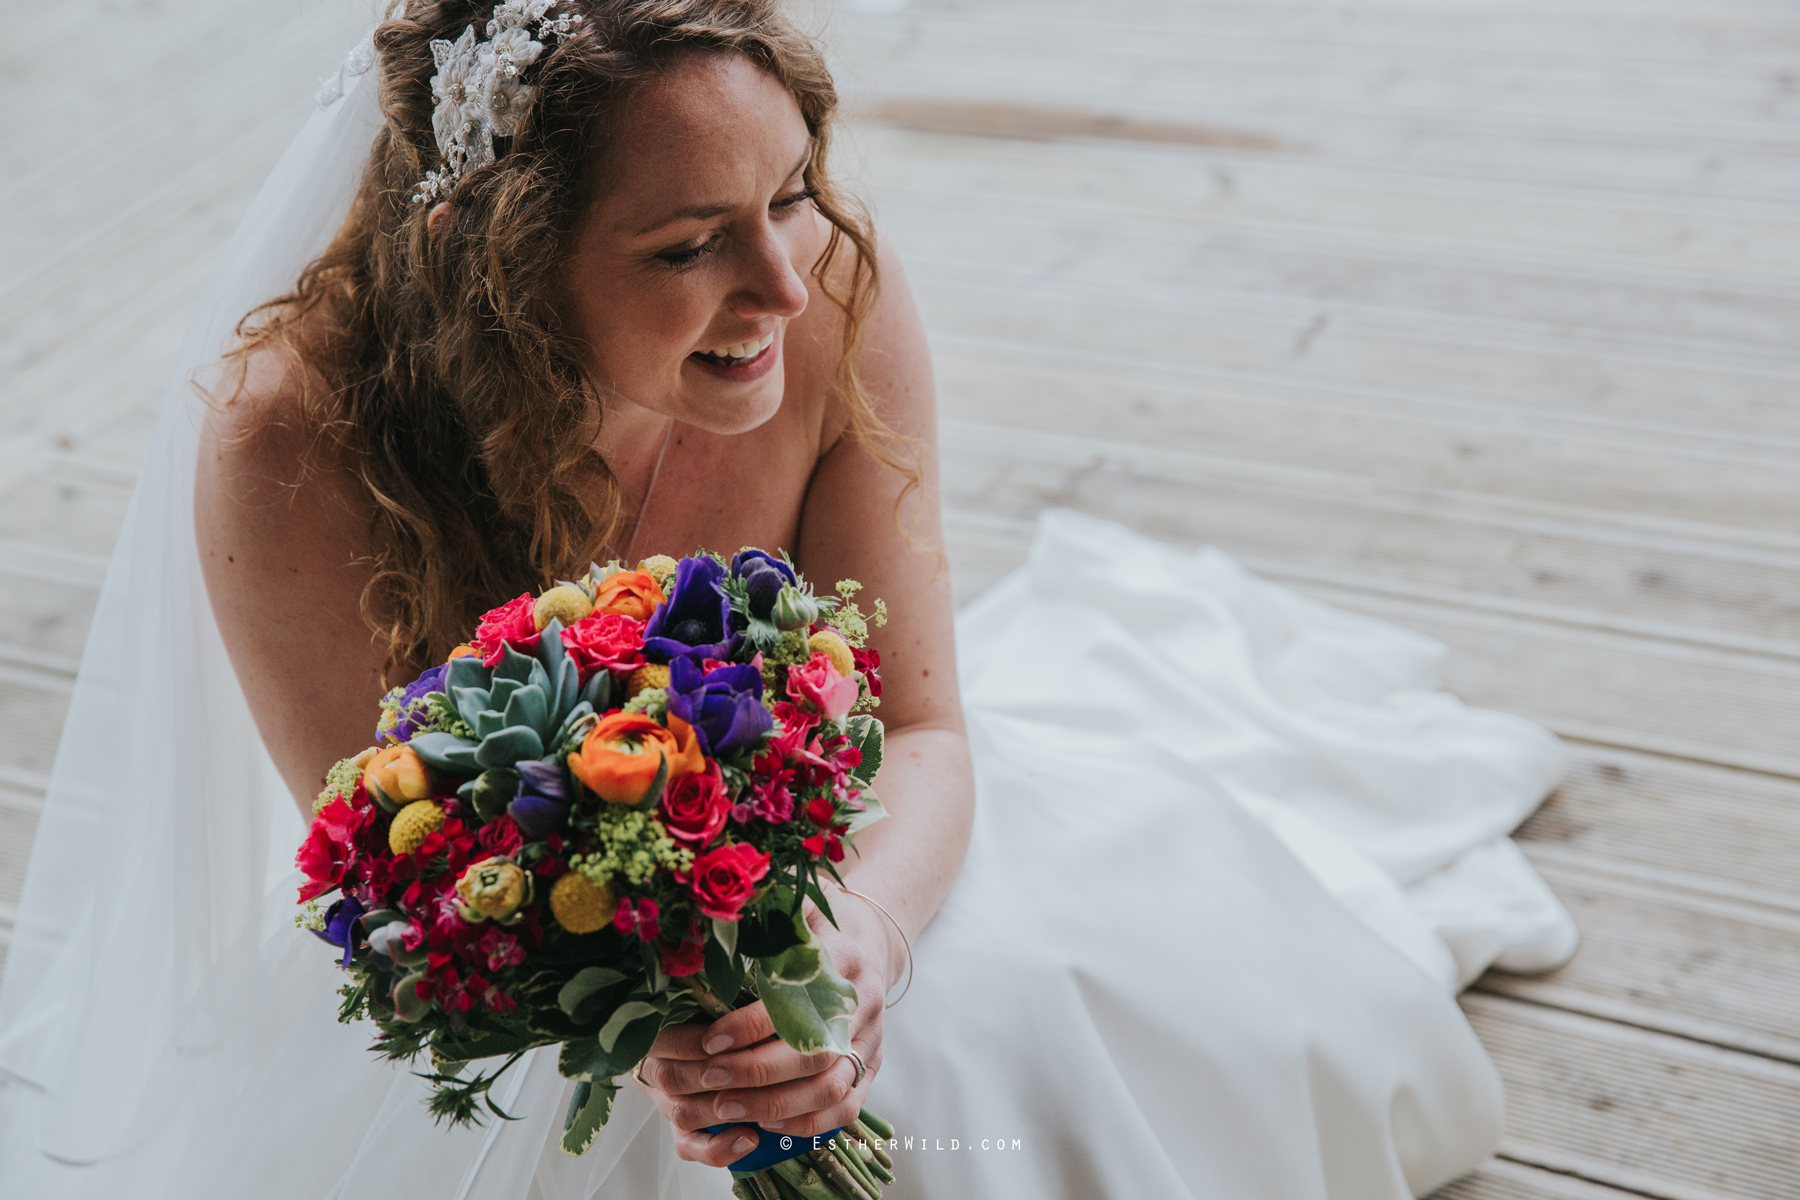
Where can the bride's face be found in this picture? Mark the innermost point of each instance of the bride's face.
(688, 266)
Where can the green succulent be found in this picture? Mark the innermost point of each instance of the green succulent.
(522, 708)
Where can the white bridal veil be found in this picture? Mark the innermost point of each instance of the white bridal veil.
(151, 862)
(144, 932)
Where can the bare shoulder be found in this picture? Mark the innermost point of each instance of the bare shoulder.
(895, 361)
(283, 532)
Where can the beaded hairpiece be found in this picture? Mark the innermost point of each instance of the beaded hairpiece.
(477, 89)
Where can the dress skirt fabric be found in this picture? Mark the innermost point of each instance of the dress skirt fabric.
(1233, 853)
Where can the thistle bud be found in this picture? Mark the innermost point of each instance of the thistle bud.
(794, 609)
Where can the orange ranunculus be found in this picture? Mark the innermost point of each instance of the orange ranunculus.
(462, 651)
(631, 593)
(399, 774)
(621, 755)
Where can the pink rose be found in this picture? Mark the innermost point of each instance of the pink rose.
(605, 641)
(694, 807)
(512, 624)
(819, 685)
(723, 879)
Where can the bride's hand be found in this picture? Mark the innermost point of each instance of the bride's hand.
(736, 1069)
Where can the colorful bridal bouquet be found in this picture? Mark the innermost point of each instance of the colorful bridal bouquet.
(602, 816)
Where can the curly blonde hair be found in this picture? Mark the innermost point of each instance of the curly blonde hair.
(452, 384)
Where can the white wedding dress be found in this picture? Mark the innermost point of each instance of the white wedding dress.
(1234, 853)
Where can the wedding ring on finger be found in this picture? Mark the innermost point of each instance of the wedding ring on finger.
(637, 1073)
(862, 1068)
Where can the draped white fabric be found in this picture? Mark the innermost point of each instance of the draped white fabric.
(1233, 853)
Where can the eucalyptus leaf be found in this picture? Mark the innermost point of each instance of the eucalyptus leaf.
(794, 1011)
(408, 1006)
(587, 982)
(867, 735)
(588, 1110)
(508, 746)
(724, 971)
(797, 964)
(583, 1058)
(873, 811)
(622, 1016)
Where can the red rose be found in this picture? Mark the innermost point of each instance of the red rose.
(695, 806)
(724, 878)
(609, 640)
(513, 624)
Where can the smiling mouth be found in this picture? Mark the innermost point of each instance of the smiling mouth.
(740, 355)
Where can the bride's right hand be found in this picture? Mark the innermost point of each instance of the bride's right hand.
(736, 1069)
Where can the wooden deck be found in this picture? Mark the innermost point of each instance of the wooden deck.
(1478, 315)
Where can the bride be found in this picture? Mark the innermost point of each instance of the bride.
(596, 294)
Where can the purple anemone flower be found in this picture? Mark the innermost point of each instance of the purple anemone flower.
(695, 621)
(340, 926)
(724, 705)
(541, 806)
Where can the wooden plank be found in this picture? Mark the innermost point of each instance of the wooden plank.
(1641, 1111)
(1505, 1180)
(79, 517)
(1589, 472)
(1207, 185)
(1335, 346)
(1583, 33)
(1660, 957)
(1433, 267)
(1663, 821)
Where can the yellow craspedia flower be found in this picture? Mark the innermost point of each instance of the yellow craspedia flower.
(835, 648)
(565, 603)
(580, 906)
(659, 567)
(413, 824)
(650, 675)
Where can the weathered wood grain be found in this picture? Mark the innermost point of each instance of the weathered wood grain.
(1505, 1180)
(1662, 957)
(1586, 467)
(1658, 1115)
(1334, 345)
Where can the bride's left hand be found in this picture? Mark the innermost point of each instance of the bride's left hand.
(736, 1069)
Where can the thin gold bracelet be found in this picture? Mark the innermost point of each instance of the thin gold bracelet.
(904, 941)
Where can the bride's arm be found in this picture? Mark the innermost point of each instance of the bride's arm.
(908, 861)
(282, 548)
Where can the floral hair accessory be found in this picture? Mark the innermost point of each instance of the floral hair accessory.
(478, 91)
